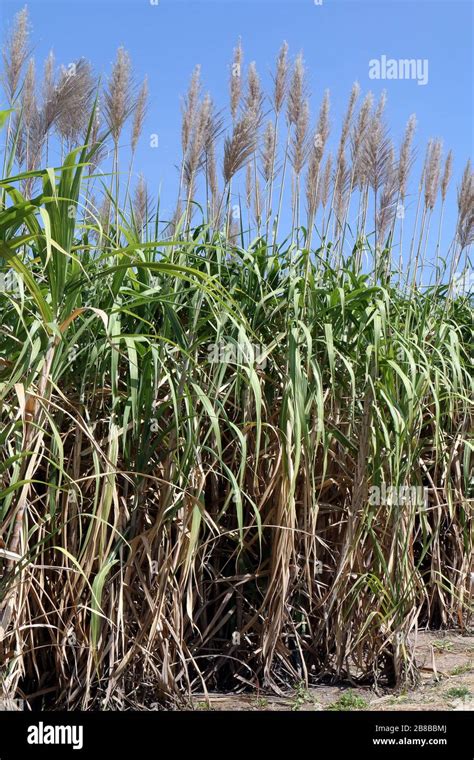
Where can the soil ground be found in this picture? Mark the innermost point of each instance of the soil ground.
(446, 663)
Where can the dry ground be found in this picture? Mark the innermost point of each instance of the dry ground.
(446, 661)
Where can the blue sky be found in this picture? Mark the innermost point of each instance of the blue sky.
(338, 39)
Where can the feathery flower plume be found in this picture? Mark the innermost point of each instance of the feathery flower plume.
(312, 186)
(465, 225)
(15, 52)
(425, 164)
(346, 124)
(376, 156)
(342, 179)
(299, 143)
(139, 114)
(326, 181)
(254, 97)
(212, 130)
(342, 182)
(297, 91)
(322, 129)
(48, 78)
(213, 126)
(248, 185)
(189, 108)
(445, 180)
(281, 78)
(141, 202)
(29, 114)
(211, 173)
(268, 151)
(95, 139)
(60, 102)
(317, 150)
(28, 99)
(388, 197)
(381, 105)
(239, 147)
(448, 170)
(104, 214)
(406, 158)
(343, 174)
(195, 154)
(236, 80)
(118, 94)
(358, 140)
(433, 171)
(76, 86)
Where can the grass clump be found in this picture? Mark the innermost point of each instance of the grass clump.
(301, 697)
(349, 701)
(443, 646)
(231, 452)
(458, 692)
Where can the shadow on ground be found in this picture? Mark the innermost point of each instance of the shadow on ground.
(446, 663)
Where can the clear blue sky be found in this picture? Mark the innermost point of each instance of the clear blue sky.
(338, 38)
